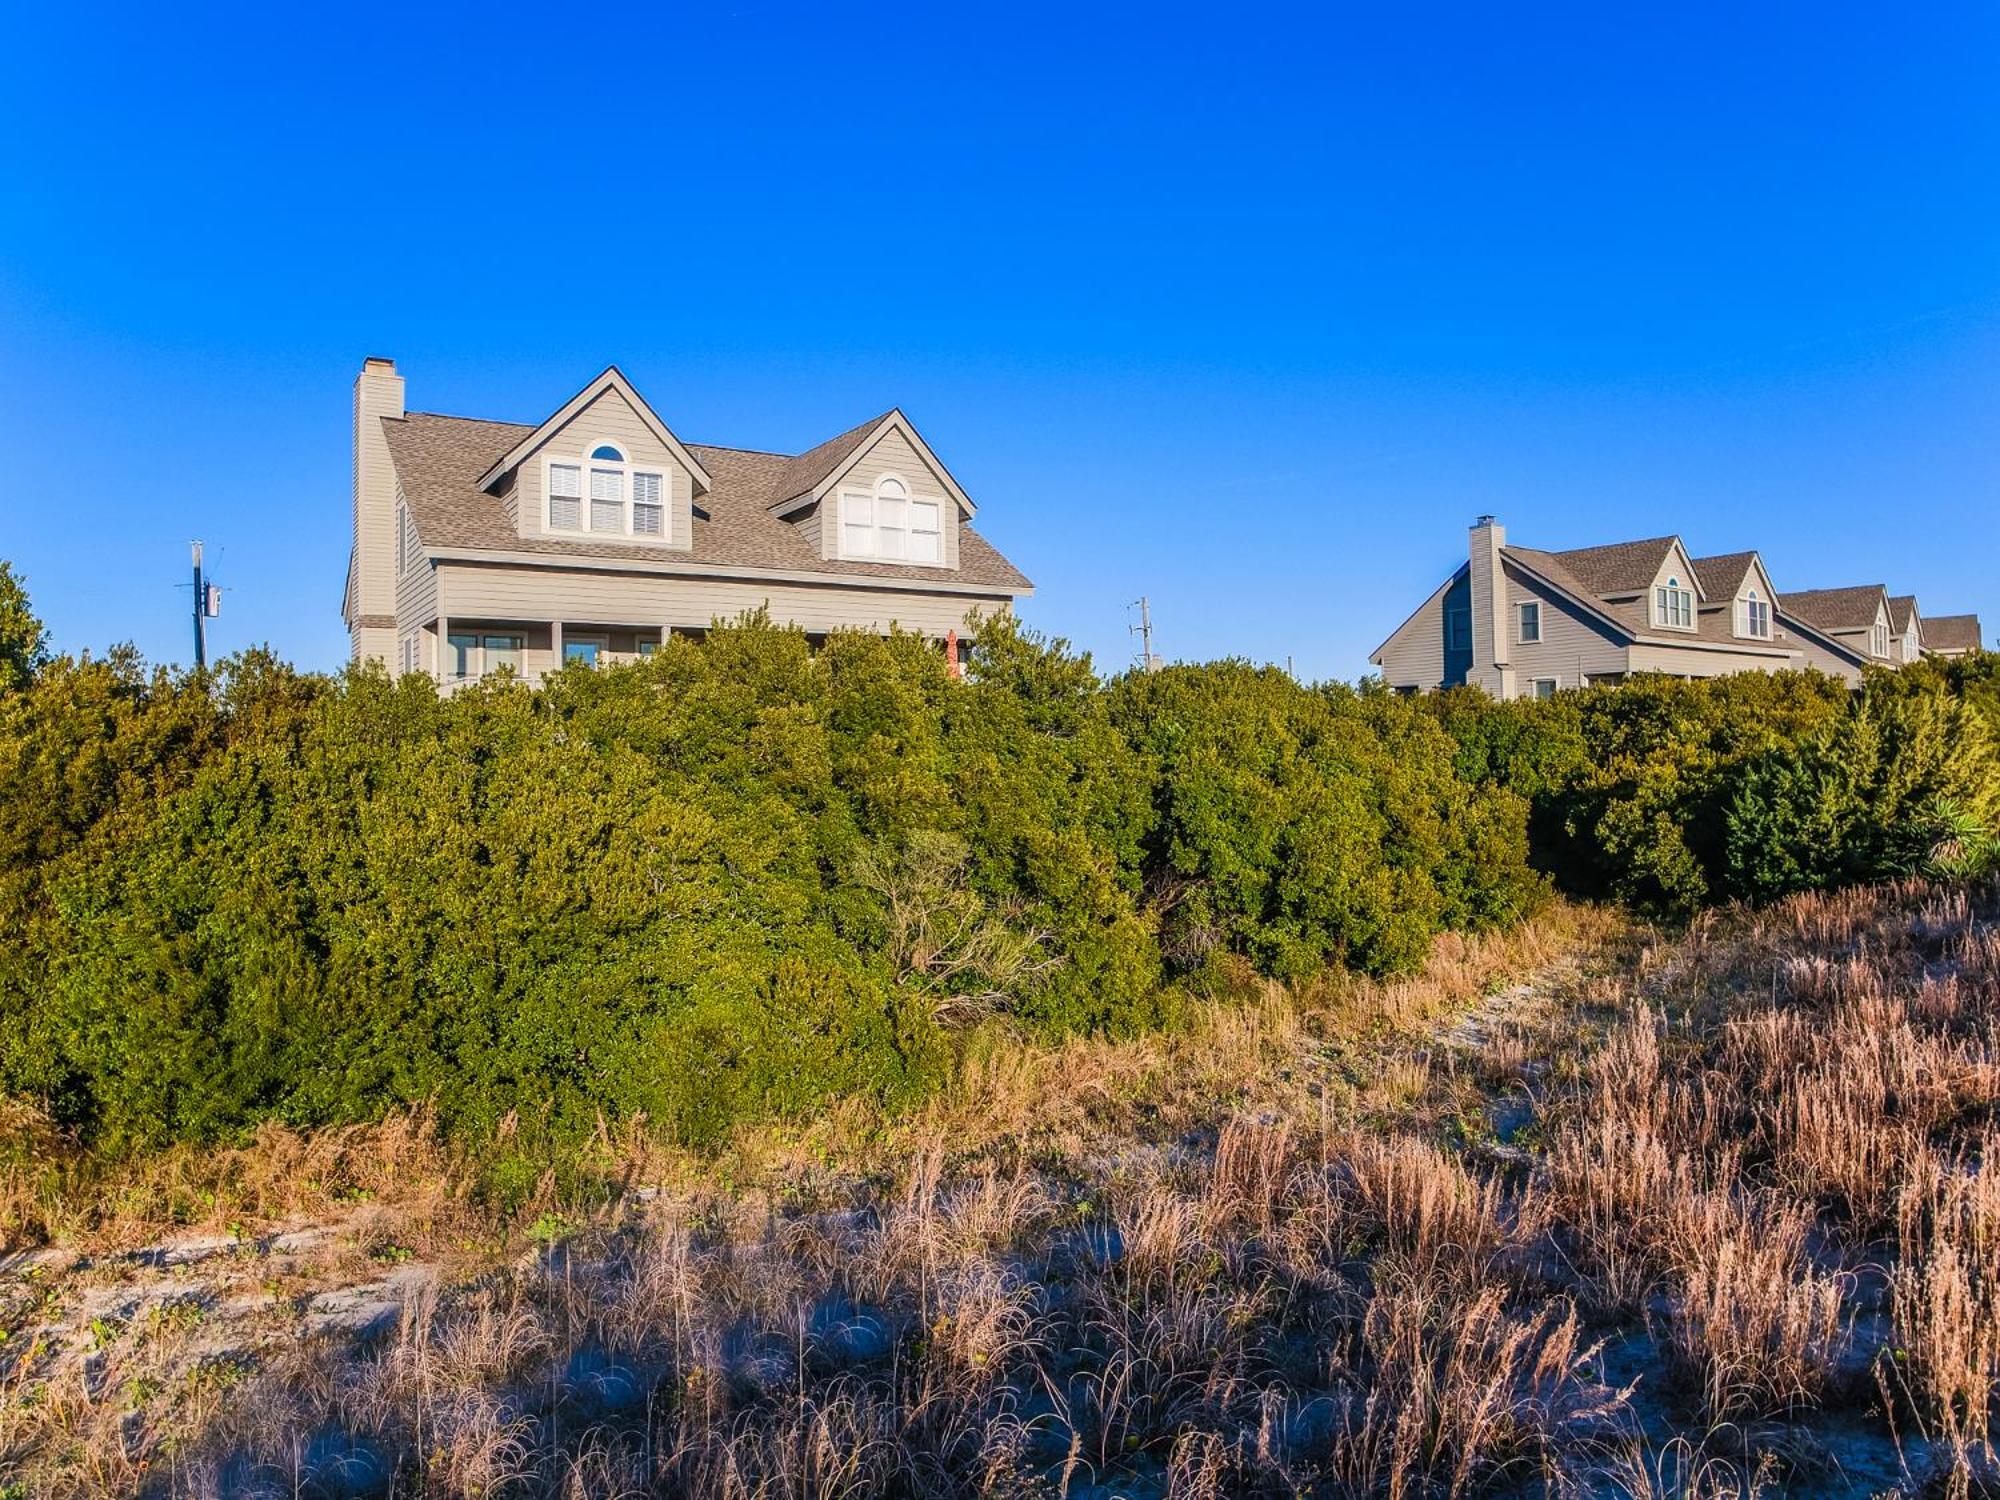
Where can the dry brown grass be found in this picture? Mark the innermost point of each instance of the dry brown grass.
(1277, 1253)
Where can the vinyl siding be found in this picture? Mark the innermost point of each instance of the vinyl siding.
(1681, 663)
(1414, 655)
(1812, 654)
(580, 597)
(1572, 645)
(892, 453)
(609, 418)
(376, 394)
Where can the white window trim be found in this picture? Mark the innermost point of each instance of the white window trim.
(1535, 685)
(625, 468)
(873, 496)
(586, 638)
(1521, 622)
(1746, 623)
(1663, 607)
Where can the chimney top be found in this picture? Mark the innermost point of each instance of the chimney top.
(1483, 521)
(379, 362)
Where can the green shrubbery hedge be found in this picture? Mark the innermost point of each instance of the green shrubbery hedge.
(1668, 795)
(733, 881)
(743, 878)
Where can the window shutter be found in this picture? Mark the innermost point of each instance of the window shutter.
(648, 513)
(607, 500)
(565, 497)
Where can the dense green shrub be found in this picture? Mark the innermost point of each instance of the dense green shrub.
(734, 881)
(1666, 794)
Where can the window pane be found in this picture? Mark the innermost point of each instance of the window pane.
(503, 651)
(459, 649)
(565, 492)
(648, 514)
(607, 500)
(606, 451)
(857, 530)
(891, 488)
(924, 546)
(583, 651)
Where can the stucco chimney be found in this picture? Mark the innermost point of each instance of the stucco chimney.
(1491, 668)
(371, 623)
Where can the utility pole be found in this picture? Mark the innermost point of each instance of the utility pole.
(207, 605)
(1144, 630)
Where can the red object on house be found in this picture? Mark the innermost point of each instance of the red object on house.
(951, 654)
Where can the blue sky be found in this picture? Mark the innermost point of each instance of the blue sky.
(1249, 310)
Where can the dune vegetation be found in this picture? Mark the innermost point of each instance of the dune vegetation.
(771, 1072)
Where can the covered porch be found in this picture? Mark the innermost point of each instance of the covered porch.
(460, 651)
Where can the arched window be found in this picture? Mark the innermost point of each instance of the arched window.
(1673, 606)
(890, 523)
(1756, 616)
(606, 494)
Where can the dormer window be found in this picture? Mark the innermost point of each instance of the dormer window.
(605, 495)
(1879, 639)
(890, 524)
(1673, 606)
(1757, 617)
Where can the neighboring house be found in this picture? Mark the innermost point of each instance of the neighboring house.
(1858, 618)
(594, 534)
(1951, 635)
(1906, 628)
(1518, 622)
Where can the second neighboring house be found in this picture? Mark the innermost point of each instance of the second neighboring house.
(1518, 621)
(1951, 635)
(594, 534)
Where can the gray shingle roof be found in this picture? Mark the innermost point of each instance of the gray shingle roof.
(1620, 567)
(1719, 575)
(1836, 609)
(1901, 607)
(1952, 633)
(440, 459)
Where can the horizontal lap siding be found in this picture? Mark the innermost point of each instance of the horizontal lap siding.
(1572, 647)
(1702, 663)
(1414, 655)
(610, 418)
(581, 597)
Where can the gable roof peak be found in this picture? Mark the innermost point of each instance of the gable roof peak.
(610, 379)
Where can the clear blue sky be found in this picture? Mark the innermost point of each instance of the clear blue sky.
(1250, 310)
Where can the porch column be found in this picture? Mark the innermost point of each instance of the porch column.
(441, 665)
(555, 645)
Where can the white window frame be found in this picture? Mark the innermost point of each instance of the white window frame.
(1878, 637)
(1535, 686)
(1671, 600)
(586, 638)
(624, 467)
(1747, 626)
(853, 500)
(1521, 610)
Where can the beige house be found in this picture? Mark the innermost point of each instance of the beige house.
(1518, 621)
(592, 535)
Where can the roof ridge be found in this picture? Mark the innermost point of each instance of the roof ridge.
(452, 416)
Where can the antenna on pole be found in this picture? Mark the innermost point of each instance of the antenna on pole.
(207, 605)
(1144, 630)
